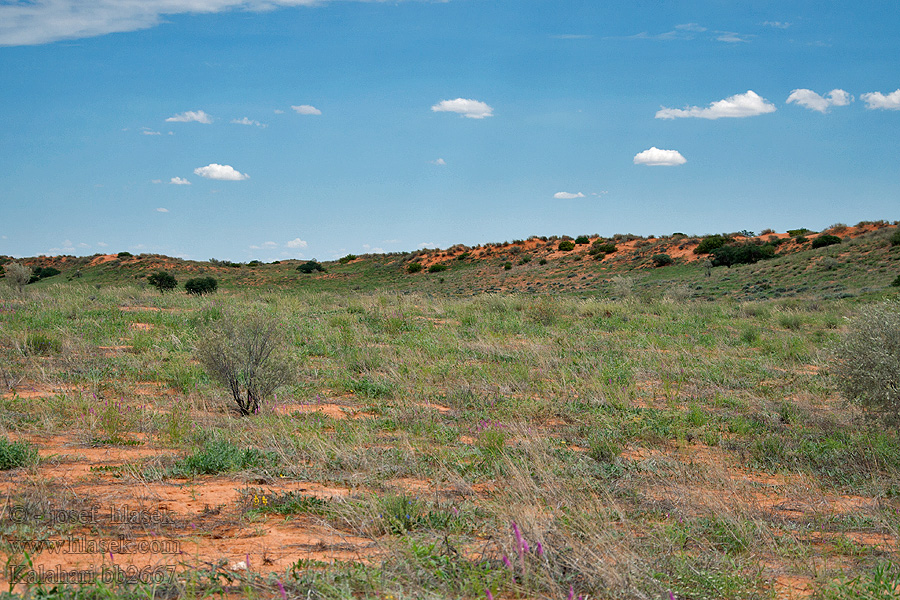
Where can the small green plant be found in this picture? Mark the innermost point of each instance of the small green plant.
(42, 273)
(162, 281)
(41, 344)
(526, 258)
(543, 261)
(600, 247)
(507, 266)
(311, 266)
(437, 268)
(896, 282)
(414, 267)
(582, 239)
(662, 260)
(16, 454)
(742, 254)
(881, 583)
(349, 258)
(199, 286)
(825, 240)
(566, 246)
(795, 233)
(221, 456)
(124, 255)
(866, 362)
(464, 256)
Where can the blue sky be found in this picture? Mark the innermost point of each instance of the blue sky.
(272, 129)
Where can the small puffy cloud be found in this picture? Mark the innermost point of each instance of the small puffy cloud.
(265, 246)
(654, 157)
(179, 181)
(730, 37)
(220, 172)
(150, 132)
(162, 210)
(278, 111)
(306, 109)
(190, 116)
(246, 121)
(813, 101)
(567, 195)
(102, 244)
(749, 104)
(777, 24)
(571, 36)
(471, 109)
(296, 243)
(875, 100)
(440, 162)
(426, 245)
(691, 27)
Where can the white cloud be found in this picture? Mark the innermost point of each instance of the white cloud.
(571, 36)
(246, 121)
(472, 109)
(150, 132)
(179, 181)
(102, 244)
(83, 245)
(440, 162)
(749, 104)
(296, 243)
(875, 100)
(25, 23)
(221, 172)
(427, 245)
(654, 157)
(269, 244)
(567, 195)
(162, 210)
(306, 109)
(814, 101)
(197, 116)
(278, 111)
(156, 181)
(777, 24)
(731, 37)
(691, 27)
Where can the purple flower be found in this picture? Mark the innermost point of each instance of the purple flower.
(489, 595)
(571, 593)
(281, 589)
(506, 562)
(539, 549)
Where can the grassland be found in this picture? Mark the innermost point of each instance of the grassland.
(641, 433)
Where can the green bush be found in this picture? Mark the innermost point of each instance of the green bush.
(16, 454)
(42, 273)
(582, 239)
(825, 240)
(17, 275)
(739, 254)
(245, 353)
(600, 247)
(799, 232)
(661, 260)
(201, 285)
(345, 259)
(310, 266)
(801, 239)
(414, 267)
(711, 242)
(866, 362)
(507, 266)
(124, 255)
(895, 237)
(525, 259)
(896, 282)
(163, 281)
(566, 246)
(437, 268)
(543, 261)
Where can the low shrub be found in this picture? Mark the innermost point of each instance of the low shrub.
(711, 242)
(16, 275)
(748, 253)
(798, 232)
(661, 260)
(414, 267)
(582, 239)
(41, 344)
(896, 282)
(42, 273)
(543, 261)
(220, 456)
(895, 237)
(201, 285)
(311, 266)
(124, 255)
(600, 247)
(507, 266)
(437, 268)
(866, 362)
(825, 240)
(345, 259)
(566, 246)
